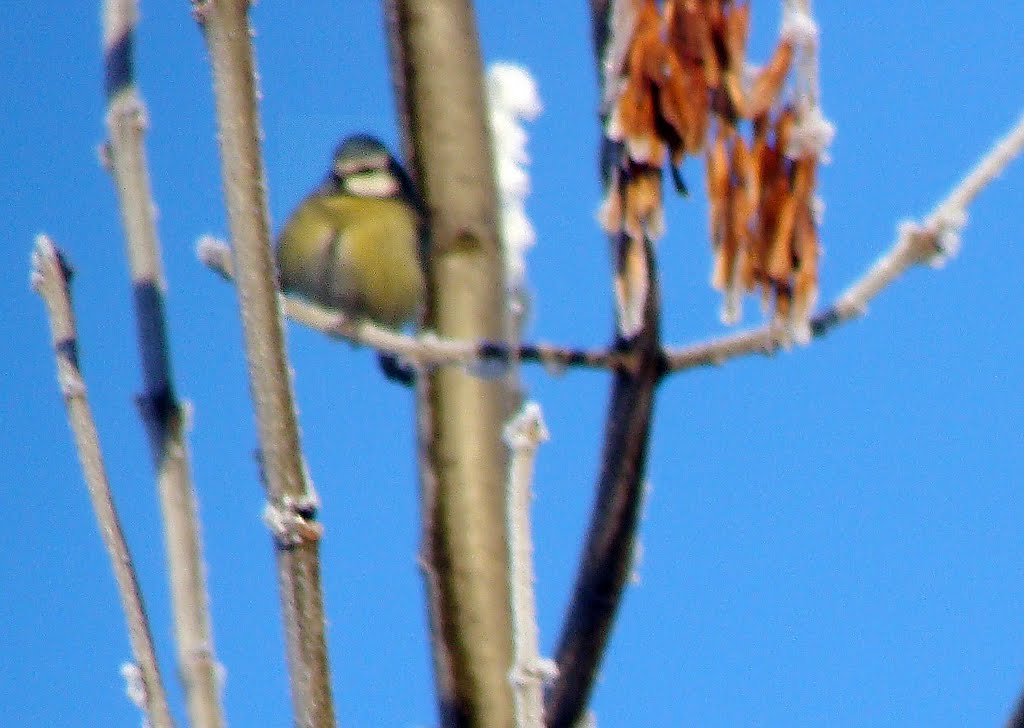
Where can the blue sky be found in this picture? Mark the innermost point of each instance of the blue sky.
(833, 535)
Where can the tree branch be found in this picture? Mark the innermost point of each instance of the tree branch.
(929, 242)
(292, 506)
(530, 671)
(609, 549)
(161, 411)
(50, 278)
(438, 77)
(427, 350)
(607, 558)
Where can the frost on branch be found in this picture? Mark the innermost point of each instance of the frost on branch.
(512, 99)
(680, 86)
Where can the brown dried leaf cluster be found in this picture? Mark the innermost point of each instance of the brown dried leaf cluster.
(762, 221)
(683, 88)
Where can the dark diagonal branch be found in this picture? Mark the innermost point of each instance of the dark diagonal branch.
(608, 552)
(161, 411)
(50, 278)
(607, 558)
(292, 504)
(1016, 719)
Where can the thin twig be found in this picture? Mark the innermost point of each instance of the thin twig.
(50, 278)
(807, 63)
(530, 671)
(161, 411)
(990, 166)
(427, 350)
(292, 507)
(931, 241)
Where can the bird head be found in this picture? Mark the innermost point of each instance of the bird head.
(363, 167)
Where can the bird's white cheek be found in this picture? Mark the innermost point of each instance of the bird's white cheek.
(372, 185)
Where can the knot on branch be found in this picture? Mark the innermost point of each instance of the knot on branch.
(71, 384)
(528, 672)
(130, 110)
(948, 224)
(527, 429)
(293, 522)
(936, 240)
(135, 685)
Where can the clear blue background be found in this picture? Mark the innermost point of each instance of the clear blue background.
(833, 536)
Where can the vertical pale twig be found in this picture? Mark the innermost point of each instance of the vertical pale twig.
(292, 506)
(161, 411)
(529, 672)
(512, 99)
(50, 278)
(800, 12)
(438, 77)
(812, 133)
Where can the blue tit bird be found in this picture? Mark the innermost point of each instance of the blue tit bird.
(354, 244)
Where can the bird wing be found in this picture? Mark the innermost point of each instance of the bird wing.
(308, 255)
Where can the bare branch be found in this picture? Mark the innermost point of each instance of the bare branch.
(799, 13)
(229, 38)
(608, 553)
(929, 242)
(50, 278)
(161, 411)
(530, 671)
(438, 76)
(607, 557)
(427, 350)
(985, 171)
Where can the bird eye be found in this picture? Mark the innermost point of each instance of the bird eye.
(375, 163)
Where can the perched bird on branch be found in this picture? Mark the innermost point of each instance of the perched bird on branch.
(355, 243)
